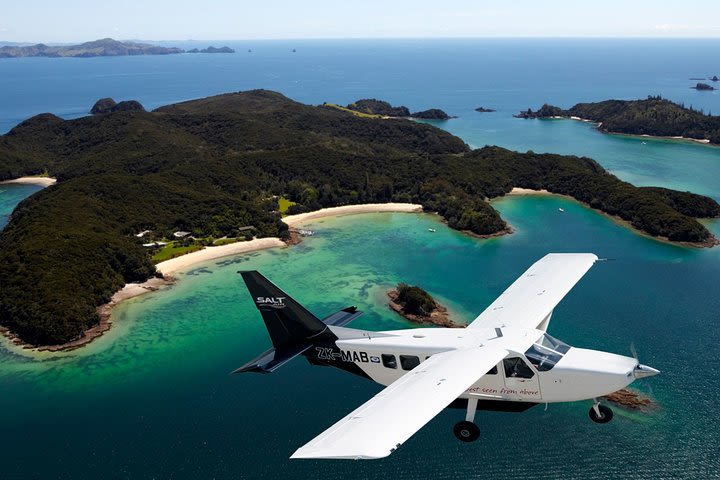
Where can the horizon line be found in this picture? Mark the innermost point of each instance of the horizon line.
(460, 37)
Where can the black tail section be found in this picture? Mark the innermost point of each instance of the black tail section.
(289, 324)
(294, 330)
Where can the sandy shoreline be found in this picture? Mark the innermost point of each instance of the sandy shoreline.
(43, 181)
(169, 268)
(527, 191)
(301, 218)
(183, 262)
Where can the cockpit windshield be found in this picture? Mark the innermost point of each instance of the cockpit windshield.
(546, 352)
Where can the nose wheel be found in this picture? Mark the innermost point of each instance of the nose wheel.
(467, 431)
(600, 413)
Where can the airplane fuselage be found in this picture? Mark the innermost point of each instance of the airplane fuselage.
(532, 374)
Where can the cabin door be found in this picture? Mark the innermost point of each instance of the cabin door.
(521, 380)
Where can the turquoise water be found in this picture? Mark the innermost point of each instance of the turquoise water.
(153, 398)
(10, 195)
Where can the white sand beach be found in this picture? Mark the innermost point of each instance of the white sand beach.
(302, 218)
(178, 264)
(44, 181)
(528, 191)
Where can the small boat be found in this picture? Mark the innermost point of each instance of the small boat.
(644, 143)
(561, 209)
(431, 230)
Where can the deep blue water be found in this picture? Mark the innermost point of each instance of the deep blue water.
(456, 75)
(152, 399)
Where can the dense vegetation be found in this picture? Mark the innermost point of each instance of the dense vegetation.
(415, 300)
(214, 165)
(373, 106)
(654, 116)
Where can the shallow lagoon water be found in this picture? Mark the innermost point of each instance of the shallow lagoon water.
(153, 398)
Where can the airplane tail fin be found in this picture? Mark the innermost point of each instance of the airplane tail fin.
(289, 324)
(293, 329)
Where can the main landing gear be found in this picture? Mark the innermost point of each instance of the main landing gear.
(600, 413)
(467, 431)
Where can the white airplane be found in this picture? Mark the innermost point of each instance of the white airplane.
(504, 360)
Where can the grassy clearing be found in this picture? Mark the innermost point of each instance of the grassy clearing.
(357, 114)
(284, 204)
(173, 250)
(226, 241)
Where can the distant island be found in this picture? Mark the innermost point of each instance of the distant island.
(106, 47)
(484, 110)
(212, 50)
(222, 169)
(373, 106)
(703, 86)
(654, 116)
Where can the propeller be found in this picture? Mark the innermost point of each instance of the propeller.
(641, 370)
(633, 351)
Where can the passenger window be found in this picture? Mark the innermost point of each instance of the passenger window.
(492, 371)
(389, 360)
(408, 362)
(516, 368)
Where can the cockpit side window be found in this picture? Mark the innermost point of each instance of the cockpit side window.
(546, 352)
(516, 367)
(543, 359)
(553, 344)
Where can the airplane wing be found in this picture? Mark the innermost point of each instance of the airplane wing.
(383, 423)
(532, 297)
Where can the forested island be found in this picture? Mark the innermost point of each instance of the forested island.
(106, 47)
(212, 49)
(654, 116)
(373, 106)
(415, 304)
(214, 166)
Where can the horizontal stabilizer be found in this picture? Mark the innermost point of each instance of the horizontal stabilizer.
(343, 317)
(271, 360)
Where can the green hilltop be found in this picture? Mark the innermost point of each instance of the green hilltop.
(214, 165)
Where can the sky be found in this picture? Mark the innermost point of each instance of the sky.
(81, 20)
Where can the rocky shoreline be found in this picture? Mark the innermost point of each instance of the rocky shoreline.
(439, 317)
(631, 400)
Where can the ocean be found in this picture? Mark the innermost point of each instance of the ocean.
(153, 398)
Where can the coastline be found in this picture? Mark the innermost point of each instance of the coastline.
(712, 242)
(440, 317)
(680, 138)
(302, 218)
(42, 181)
(169, 268)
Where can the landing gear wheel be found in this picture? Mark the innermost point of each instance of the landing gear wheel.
(605, 414)
(466, 431)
